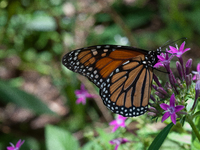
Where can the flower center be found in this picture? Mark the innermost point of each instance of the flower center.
(119, 121)
(171, 110)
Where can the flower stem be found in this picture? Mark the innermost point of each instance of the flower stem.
(196, 114)
(194, 128)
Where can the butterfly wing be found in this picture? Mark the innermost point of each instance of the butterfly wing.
(127, 90)
(124, 80)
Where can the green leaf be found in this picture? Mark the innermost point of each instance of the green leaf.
(22, 99)
(59, 139)
(195, 142)
(105, 137)
(92, 145)
(182, 138)
(156, 144)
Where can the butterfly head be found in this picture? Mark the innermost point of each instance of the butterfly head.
(151, 58)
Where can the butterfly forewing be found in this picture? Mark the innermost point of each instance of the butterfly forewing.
(121, 73)
(87, 62)
(97, 62)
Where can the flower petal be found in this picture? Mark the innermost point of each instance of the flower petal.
(19, 144)
(179, 108)
(10, 148)
(185, 50)
(114, 122)
(115, 128)
(182, 47)
(172, 50)
(83, 87)
(116, 147)
(81, 100)
(173, 118)
(164, 106)
(165, 116)
(172, 100)
(198, 67)
(194, 77)
(158, 64)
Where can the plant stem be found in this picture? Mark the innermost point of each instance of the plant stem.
(195, 130)
(196, 114)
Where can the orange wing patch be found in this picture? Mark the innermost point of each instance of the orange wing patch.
(114, 95)
(128, 98)
(120, 100)
(147, 91)
(124, 54)
(132, 75)
(114, 86)
(138, 89)
(106, 71)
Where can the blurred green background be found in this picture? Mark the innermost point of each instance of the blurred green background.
(36, 90)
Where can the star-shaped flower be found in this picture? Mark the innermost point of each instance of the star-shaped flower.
(171, 110)
(197, 78)
(178, 52)
(163, 60)
(13, 147)
(82, 94)
(197, 73)
(119, 122)
(118, 142)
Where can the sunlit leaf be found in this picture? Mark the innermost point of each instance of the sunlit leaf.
(156, 144)
(59, 139)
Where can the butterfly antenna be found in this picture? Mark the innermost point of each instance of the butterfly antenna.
(165, 44)
(173, 41)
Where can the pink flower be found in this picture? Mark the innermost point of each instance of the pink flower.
(119, 122)
(178, 52)
(171, 110)
(118, 142)
(197, 86)
(163, 60)
(18, 145)
(197, 73)
(82, 94)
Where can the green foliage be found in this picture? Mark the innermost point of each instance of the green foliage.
(156, 144)
(13, 95)
(58, 138)
(195, 142)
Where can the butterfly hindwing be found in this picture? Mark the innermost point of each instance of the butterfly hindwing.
(127, 90)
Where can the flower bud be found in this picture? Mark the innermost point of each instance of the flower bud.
(155, 87)
(168, 85)
(159, 95)
(188, 79)
(152, 109)
(179, 83)
(178, 66)
(197, 90)
(152, 98)
(152, 114)
(162, 91)
(188, 66)
(156, 80)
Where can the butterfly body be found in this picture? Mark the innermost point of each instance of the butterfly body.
(122, 73)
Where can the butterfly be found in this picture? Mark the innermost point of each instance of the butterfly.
(123, 75)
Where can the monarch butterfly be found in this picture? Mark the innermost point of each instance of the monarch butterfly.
(122, 73)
